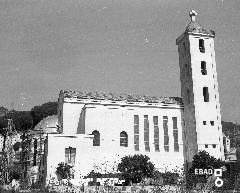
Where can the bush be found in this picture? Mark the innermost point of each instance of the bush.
(64, 170)
(135, 168)
(202, 160)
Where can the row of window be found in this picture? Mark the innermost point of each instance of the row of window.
(123, 138)
(124, 135)
(213, 145)
(156, 133)
(211, 123)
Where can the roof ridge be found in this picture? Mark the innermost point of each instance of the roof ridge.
(100, 95)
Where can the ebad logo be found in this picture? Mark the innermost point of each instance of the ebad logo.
(216, 172)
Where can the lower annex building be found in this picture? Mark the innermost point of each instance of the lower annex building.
(95, 130)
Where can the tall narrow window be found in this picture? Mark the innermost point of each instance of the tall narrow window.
(156, 133)
(146, 133)
(201, 46)
(136, 132)
(35, 152)
(205, 94)
(96, 139)
(165, 130)
(70, 154)
(188, 96)
(123, 139)
(203, 68)
(175, 134)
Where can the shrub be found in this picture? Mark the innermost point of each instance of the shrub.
(135, 168)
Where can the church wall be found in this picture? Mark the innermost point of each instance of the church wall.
(56, 154)
(110, 121)
(71, 117)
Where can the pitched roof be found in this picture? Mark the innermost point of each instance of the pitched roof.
(120, 97)
(195, 27)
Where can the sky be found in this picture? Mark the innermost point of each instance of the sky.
(120, 46)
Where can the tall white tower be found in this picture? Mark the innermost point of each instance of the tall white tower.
(202, 129)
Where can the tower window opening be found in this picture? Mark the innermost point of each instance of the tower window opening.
(205, 94)
(214, 145)
(212, 123)
(204, 122)
(206, 146)
(201, 46)
(203, 68)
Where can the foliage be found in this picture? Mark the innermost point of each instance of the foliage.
(3, 125)
(202, 160)
(64, 170)
(16, 146)
(135, 168)
(94, 175)
(166, 178)
(3, 110)
(43, 111)
(229, 129)
(22, 120)
(4, 130)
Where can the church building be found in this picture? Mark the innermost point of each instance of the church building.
(95, 130)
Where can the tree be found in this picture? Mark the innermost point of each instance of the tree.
(135, 168)
(43, 111)
(23, 123)
(3, 130)
(3, 111)
(64, 171)
(202, 160)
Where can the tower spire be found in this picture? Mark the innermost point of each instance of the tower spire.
(193, 15)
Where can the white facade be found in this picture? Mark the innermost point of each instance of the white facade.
(81, 116)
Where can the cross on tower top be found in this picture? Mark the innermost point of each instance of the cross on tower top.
(193, 15)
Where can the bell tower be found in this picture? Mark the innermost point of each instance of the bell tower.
(202, 129)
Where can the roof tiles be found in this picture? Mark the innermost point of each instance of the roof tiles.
(120, 97)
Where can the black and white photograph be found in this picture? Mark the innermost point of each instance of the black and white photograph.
(119, 96)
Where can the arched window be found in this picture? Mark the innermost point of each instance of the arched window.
(96, 139)
(123, 139)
